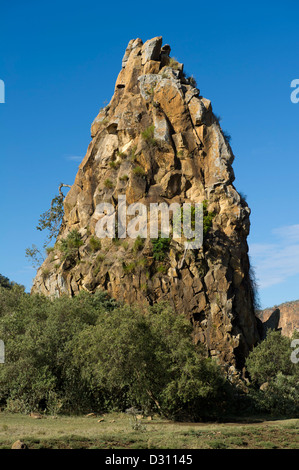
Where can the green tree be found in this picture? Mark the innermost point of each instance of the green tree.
(270, 357)
(52, 218)
(37, 333)
(88, 352)
(148, 361)
(275, 378)
(50, 221)
(5, 282)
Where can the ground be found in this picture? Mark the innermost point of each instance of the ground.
(117, 431)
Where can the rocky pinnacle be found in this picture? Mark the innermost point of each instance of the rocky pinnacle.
(159, 141)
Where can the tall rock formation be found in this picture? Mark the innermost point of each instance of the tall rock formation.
(158, 140)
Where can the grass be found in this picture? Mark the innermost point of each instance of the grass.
(122, 155)
(138, 244)
(95, 244)
(114, 165)
(108, 184)
(98, 263)
(124, 178)
(133, 156)
(148, 135)
(129, 268)
(173, 63)
(139, 171)
(162, 269)
(115, 431)
(45, 273)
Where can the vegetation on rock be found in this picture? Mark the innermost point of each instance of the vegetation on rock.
(69, 246)
(160, 247)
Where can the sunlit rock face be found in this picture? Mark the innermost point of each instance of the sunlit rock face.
(159, 141)
(283, 317)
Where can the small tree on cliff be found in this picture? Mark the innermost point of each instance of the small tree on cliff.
(51, 222)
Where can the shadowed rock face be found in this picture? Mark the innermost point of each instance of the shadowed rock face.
(284, 317)
(185, 158)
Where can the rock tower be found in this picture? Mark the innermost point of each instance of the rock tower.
(159, 141)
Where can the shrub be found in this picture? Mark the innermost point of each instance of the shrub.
(270, 357)
(88, 352)
(173, 63)
(149, 361)
(108, 183)
(125, 245)
(95, 243)
(37, 338)
(143, 261)
(162, 269)
(207, 218)
(98, 263)
(122, 155)
(138, 244)
(148, 135)
(45, 273)
(124, 178)
(270, 365)
(160, 248)
(69, 247)
(129, 268)
(133, 156)
(114, 165)
(139, 171)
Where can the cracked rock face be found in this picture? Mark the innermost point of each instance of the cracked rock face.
(159, 141)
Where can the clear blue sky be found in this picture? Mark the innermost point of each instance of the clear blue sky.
(59, 61)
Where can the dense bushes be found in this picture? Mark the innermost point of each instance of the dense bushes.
(5, 282)
(274, 377)
(88, 353)
(38, 365)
